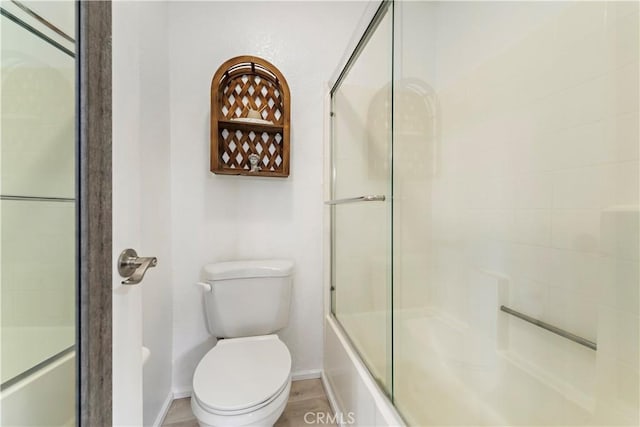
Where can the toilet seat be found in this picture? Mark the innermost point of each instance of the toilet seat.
(241, 375)
(214, 410)
(261, 417)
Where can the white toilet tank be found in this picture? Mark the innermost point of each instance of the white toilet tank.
(248, 298)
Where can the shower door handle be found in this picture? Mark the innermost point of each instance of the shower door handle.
(132, 267)
(367, 198)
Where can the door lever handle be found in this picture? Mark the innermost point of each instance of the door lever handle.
(132, 267)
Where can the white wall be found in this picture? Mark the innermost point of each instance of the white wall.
(217, 218)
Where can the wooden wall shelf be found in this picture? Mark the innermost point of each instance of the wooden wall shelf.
(243, 89)
(233, 124)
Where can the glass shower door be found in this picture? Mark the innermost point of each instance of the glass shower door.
(516, 213)
(37, 214)
(361, 205)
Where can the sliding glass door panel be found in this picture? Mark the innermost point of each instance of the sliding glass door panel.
(38, 213)
(516, 218)
(362, 191)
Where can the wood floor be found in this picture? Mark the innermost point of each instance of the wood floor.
(306, 396)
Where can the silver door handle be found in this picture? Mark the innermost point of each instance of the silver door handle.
(132, 267)
(368, 198)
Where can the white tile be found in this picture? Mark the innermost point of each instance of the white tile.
(619, 335)
(578, 230)
(46, 288)
(620, 184)
(529, 262)
(533, 226)
(620, 10)
(622, 88)
(533, 344)
(578, 20)
(548, 114)
(620, 230)
(8, 316)
(628, 380)
(622, 136)
(579, 273)
(543, 118)
(582, 145)
(38, 142)
(579, 370)
(483, 224)
(622, 40)
(580, 188)
(534, 191)
(447, 225)
(493, 193)
(586, 102)
(619, 285)
(529, 297)
(581, 60)
(484, 298)
(617, 391)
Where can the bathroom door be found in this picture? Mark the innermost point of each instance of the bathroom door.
(142, 312)
(127, 218)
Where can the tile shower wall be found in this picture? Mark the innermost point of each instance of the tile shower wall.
(530, 200)
(218, 218)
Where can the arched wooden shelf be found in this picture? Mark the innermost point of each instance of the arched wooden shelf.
(250, 113)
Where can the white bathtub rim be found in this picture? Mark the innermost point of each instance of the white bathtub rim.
(37, 379)
(381, 401)
(36, 375)
(331, 396)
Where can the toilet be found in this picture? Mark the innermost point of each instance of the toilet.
(245, 379)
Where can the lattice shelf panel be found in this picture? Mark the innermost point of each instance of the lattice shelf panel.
(250, 103)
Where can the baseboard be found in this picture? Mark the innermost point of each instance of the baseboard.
(306, 375)
(182, 393)
(163, 410)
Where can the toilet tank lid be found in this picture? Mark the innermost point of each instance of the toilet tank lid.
(248, 269)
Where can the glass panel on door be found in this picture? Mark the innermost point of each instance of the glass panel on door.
(38, 213)
(361, 209)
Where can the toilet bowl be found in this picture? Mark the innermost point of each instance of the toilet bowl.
(242, 382)
(245, 379)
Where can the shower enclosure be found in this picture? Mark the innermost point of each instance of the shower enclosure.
(38, 214)
(485, 215)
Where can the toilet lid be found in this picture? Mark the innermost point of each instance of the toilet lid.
(241, 373)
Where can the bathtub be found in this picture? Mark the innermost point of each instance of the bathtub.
(47, 397)
(353, 393)
(448, 372)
